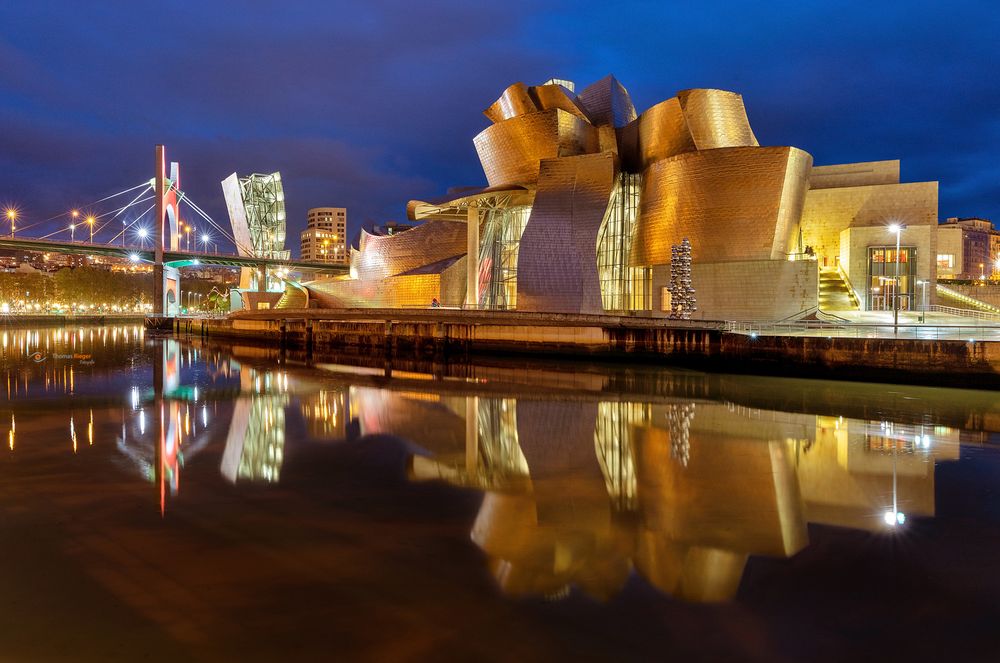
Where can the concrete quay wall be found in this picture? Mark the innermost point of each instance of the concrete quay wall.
(450, 338)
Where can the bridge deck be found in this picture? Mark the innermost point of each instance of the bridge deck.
(170, 258)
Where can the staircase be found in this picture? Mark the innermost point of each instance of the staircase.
(295, 296)
(834, 293)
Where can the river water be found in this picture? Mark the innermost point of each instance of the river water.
(165, 499)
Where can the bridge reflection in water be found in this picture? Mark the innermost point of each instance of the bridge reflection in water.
(582, 487)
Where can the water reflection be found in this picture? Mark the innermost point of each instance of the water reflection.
(583, 492)
(255, 445)
(587, 478)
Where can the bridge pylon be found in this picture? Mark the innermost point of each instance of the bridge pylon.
(166, 279)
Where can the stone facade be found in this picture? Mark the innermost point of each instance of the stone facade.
(750, 290)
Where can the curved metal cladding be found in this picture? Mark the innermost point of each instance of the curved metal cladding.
(511, 151)
(607, 102)
(659, 133)
(716, 118)
(381, 256)
(740, 203)
(514, 101)
(547, 97)
(557, 261)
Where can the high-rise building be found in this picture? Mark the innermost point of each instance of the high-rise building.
(325, 237)
(964, 249)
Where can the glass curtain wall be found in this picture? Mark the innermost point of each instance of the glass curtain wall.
(882, 286)
(499, 239)
(623, 288)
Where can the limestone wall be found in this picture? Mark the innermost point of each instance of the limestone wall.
(751, 290)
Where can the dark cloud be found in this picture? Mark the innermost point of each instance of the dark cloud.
(369, 104)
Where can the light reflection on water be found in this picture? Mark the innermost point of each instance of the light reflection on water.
(589, 478)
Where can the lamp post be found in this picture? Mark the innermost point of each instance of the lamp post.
(12, 217)
(90, 222)
(72, 232)
(898, 229)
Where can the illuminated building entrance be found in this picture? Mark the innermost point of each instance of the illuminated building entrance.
(882, 282)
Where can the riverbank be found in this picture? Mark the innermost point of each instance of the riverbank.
(35, 321)
(447, 335)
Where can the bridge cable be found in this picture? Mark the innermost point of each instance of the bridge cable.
(224, 233)
(67, 213)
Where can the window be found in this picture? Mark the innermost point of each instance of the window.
(946, 261)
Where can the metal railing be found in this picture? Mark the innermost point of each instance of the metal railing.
(850, 286)
(954, 294)
(965, 312)
(818, 328)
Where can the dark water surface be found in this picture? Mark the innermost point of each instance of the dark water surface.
(168, 500)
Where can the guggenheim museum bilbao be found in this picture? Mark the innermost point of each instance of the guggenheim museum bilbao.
(588, 204)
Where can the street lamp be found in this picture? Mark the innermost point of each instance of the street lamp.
(898, 229)
(72, 232)
(90, 222)
(12, 217)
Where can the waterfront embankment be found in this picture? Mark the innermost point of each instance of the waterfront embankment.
(20, 321)
(447, 335)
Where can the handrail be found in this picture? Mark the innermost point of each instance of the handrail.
(850, 286)
(965, 312)
(966, 298)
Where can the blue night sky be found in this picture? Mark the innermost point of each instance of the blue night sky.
(369, 104)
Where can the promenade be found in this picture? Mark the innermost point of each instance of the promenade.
(939, 352)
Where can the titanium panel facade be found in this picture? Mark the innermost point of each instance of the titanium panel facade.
(557, 264)
(607, 102)
(688, 167)
(548, 97)
(662, 132)
(716, 118)
(382, 256)
(511, 151)
(739, 203)
(514, 101)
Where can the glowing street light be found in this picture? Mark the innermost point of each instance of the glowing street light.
(12, 217)
(72, 232)
(898, 229)
(90, 222)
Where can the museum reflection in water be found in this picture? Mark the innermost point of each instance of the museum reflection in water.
(581, 493)
(579, 490)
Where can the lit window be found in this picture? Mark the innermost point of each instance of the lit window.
(946, 261)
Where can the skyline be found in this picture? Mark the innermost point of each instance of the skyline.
(367, 107)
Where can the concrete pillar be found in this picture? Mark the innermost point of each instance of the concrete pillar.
(472, 258)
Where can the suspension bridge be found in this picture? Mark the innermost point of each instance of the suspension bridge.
(157, 234)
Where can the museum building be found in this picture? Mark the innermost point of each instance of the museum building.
(586, 204)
